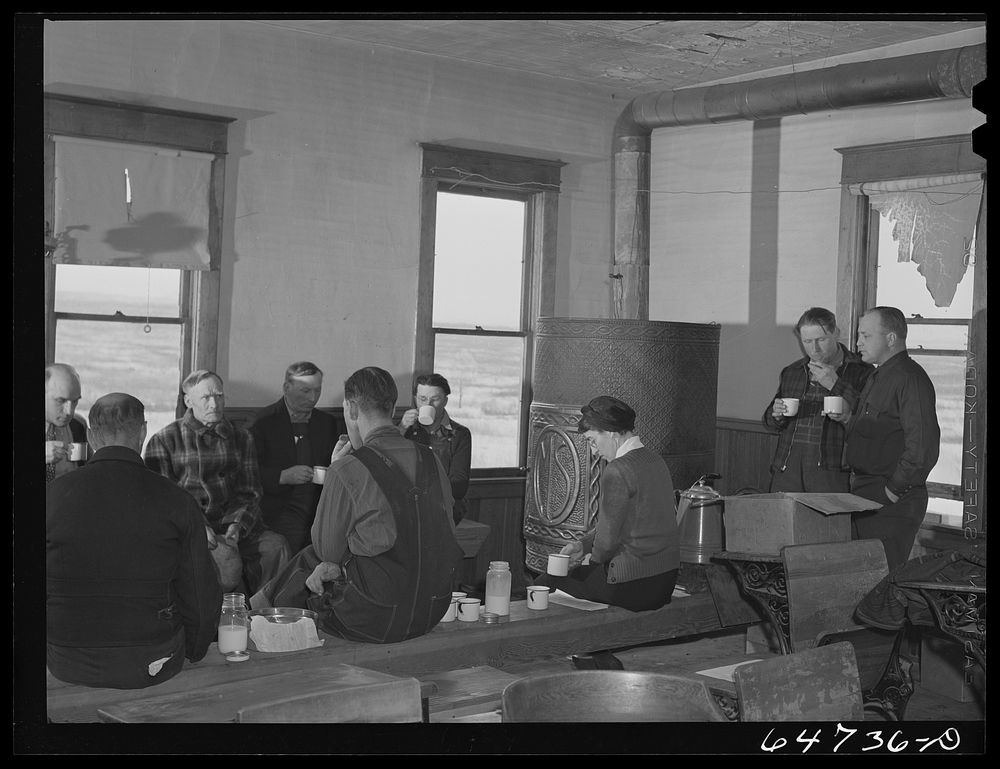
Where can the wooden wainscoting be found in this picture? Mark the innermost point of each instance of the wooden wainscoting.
(499, 503)
(743, 452)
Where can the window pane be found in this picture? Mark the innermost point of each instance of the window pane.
(936, 337)
(948, 376)
(107, 290)
(121, 357)
(485, 378)
(478, 258)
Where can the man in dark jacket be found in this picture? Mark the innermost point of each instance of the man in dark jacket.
(451, 442)
(293, 437)
(893, 436)
(131, 587)
(810, 451)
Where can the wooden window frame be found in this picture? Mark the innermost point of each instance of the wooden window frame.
(936, 156)
(475, 172)
(120, 122)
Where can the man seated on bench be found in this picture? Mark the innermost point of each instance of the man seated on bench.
(383, 551)
(130, 586)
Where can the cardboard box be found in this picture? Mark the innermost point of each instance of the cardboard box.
(946, 669)
(765, 523)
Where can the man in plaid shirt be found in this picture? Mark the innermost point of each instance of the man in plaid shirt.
(810, 452)
(216, 463)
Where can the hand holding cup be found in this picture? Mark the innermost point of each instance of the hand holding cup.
(575, 552)
(342, 449)
(55, 451)
(295, 475)
(409, 418)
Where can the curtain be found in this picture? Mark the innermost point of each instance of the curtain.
(131, 205)
(934, 225)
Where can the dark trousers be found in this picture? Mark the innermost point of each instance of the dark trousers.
(801, 474)
(590, 583)
(895, 523)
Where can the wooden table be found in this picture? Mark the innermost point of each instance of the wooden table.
(528, 635)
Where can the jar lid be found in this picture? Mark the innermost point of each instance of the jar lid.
(490, 618)
(499, 565)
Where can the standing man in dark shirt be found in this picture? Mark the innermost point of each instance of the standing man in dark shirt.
(893, 436)
(130, 586)
(292, 437)
(451, 442)
(810, 451)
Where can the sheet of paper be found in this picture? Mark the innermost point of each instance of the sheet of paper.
(830, 504)
(725, 673)
(284, 637)
(558, 596)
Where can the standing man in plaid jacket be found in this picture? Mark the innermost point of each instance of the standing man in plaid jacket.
(810, 452)
(216, 462)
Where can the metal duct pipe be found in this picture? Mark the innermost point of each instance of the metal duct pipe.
(936, 75)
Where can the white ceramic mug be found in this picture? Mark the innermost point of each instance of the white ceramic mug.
(791, 406)
(426, 415)
(833, 404)
(449, 615)
(558, 565)
(538, 597)
(77, 452)
(468, 609)
(319, 475)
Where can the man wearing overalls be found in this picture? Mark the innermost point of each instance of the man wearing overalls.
(383, 554)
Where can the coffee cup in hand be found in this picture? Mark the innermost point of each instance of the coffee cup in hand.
(791, 406)
(558, 564)
(833, 404)
(77, 452)
(426, 415)
(319, 475)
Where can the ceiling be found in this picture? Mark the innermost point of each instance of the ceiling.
(638, 54)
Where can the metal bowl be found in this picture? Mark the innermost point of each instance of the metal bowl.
(284, 615)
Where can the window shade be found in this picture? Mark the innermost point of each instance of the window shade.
(934, 227)
(155, 215)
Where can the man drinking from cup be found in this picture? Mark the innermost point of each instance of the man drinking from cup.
(293, 438)
(809, 455)
(65, 433)
(428, 423)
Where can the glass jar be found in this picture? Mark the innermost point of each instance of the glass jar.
(498, 588)
(234, 624)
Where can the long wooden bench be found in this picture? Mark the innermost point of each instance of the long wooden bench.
(527, 636)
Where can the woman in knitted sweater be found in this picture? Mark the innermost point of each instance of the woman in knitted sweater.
(633, 550)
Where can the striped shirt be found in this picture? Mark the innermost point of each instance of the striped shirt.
(216, 464)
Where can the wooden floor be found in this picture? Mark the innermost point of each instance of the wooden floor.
(709, 650)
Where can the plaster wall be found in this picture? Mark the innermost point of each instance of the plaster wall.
(745, 224)
(321, 226)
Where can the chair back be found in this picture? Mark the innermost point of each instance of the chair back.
(825, 582)
(820, 684)
(389, 702)
(608, 696)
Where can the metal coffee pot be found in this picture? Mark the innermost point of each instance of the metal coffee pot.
(699, 520)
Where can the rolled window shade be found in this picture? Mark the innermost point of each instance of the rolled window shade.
(156, 215)
(905, 185)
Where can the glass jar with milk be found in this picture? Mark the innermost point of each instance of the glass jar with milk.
(498, 588)
(234, 625)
